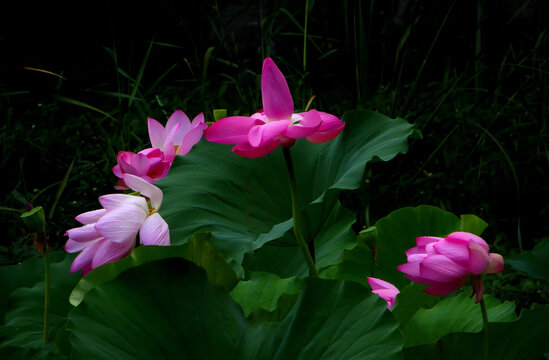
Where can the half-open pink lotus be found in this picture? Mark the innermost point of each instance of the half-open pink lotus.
(109, 234)
(177, 138)
(179, 135)
(261, 133)
(445, 264)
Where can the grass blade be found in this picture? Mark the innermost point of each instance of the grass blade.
(62, 187)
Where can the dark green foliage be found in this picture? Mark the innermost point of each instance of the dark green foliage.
(473, 79)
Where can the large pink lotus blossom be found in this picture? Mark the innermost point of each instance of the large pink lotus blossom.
(179, 135)
(149, 164)
(109, 234)
(384, 289)
(261, 133)
(445, 264)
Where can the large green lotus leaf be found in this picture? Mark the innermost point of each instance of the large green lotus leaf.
(26, 274)
(397, 232)
(24, 319)
(410, 299)
(167, 309)
(535, 263)
(198, 250)
(16, 353)
(331, 319)
(245, 203)
(283, 259)
(356, 265)
(264, 293)
(524, 339)
(329, 224)
(164, 309)
(473, 224)
(330, 227)
(339, 164)
(453, 314)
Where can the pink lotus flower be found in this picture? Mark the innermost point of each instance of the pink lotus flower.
(179, 135)
(445, 264)
(264, 131)
(385, 290)
(149, 164)
(109, 234)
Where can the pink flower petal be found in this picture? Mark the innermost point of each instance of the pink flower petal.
(84, 233)
(248, 151)
(157, 133)
(424, 240)
(441, 269)
(377, 284)
(117, 170)
(184, 124)
(387, 295)
(330, 127)
(170, 139)
(478, 258)
(125, 162)
(410, 268)
(90, 217)
(145, 188)
(277, 99)
(155, 231)
(114, 201)
(496, 264)
(445, 288)
(329, 121)
(122, 224)
(461, 236)
(307, 126)
(199, 121)
(84, 259)
(384, 289)
(457, 252)
(72, 246)
(121, 185)
(141, 165)
(230, 130)
(110, 251)
(261, 135)
(415, 251)
(430, 249)
(152, 153)
(416, 258)
(421, 280)
(192, 137)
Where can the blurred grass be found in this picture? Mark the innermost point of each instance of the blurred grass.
(473, 76)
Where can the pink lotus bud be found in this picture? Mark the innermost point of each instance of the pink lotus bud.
(149, 164)
(445, 264)
(385, 290)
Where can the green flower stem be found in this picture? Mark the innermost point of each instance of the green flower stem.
(305, 36)
(485, 329)
(46, 289)
(296, 216)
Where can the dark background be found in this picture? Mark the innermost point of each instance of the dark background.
(471, 74)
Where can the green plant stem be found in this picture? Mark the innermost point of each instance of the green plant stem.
(485, 329)
(47, 287)
(296, 215)
(305, 36)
